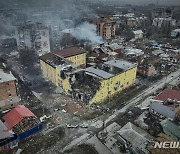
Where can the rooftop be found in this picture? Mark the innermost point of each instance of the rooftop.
(136, 136)
(5, 77)
(68, 52)
(168, 94)
(98, 73)
(17, 114)
(54, 60)
(3, 133)
(122, 64)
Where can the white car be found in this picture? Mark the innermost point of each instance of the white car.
(71, 126)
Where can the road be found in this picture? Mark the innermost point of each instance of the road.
(152, 89)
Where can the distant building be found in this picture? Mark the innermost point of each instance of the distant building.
(175, 33)
(33, 37)
(105, 27)
(9, 97)
(22, 121)
(146, 70)
(138, 34)
(8, 139)
(131, 22)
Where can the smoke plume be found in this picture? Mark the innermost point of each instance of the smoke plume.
(86, 32)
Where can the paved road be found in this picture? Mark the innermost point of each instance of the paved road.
(153, 88)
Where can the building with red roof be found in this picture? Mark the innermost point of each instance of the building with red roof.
(22, 121)
(16, 115)
(169, 94)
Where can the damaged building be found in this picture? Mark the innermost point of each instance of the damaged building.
(104, 80)
(92, 84)
(33, 36)
(54, 65)
(105, 27)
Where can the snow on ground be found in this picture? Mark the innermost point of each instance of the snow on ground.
(140, 120)
(145, 103)
(77, 141)
(97, 124)
(100, 148)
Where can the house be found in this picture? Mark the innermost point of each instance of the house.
(169, 96)
(135, 136)
(22, 121)
(158, 108)
(146, 70)
(8, 139)
(171, 129)
(138, 34)
(9, 96)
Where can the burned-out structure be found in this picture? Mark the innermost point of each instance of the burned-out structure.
(22, 121)
(98, 83)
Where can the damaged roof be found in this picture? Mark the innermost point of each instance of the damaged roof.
(17, 114)
(68, 52)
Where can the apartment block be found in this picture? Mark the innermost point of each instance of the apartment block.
(33, 37)
(105, 27)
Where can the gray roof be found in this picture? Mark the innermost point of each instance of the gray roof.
(136, 136)
(4, 77)
(3, 131)
(99, 73)
(122, 64)
(166, 111)
(171, 127)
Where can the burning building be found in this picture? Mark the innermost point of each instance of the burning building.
(105, 27)
(33, 37)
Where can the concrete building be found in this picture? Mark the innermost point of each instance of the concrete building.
(8, 89)
(54, 65)
(92, 84)
(33, 37)
(97, 84)
(105, 27)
